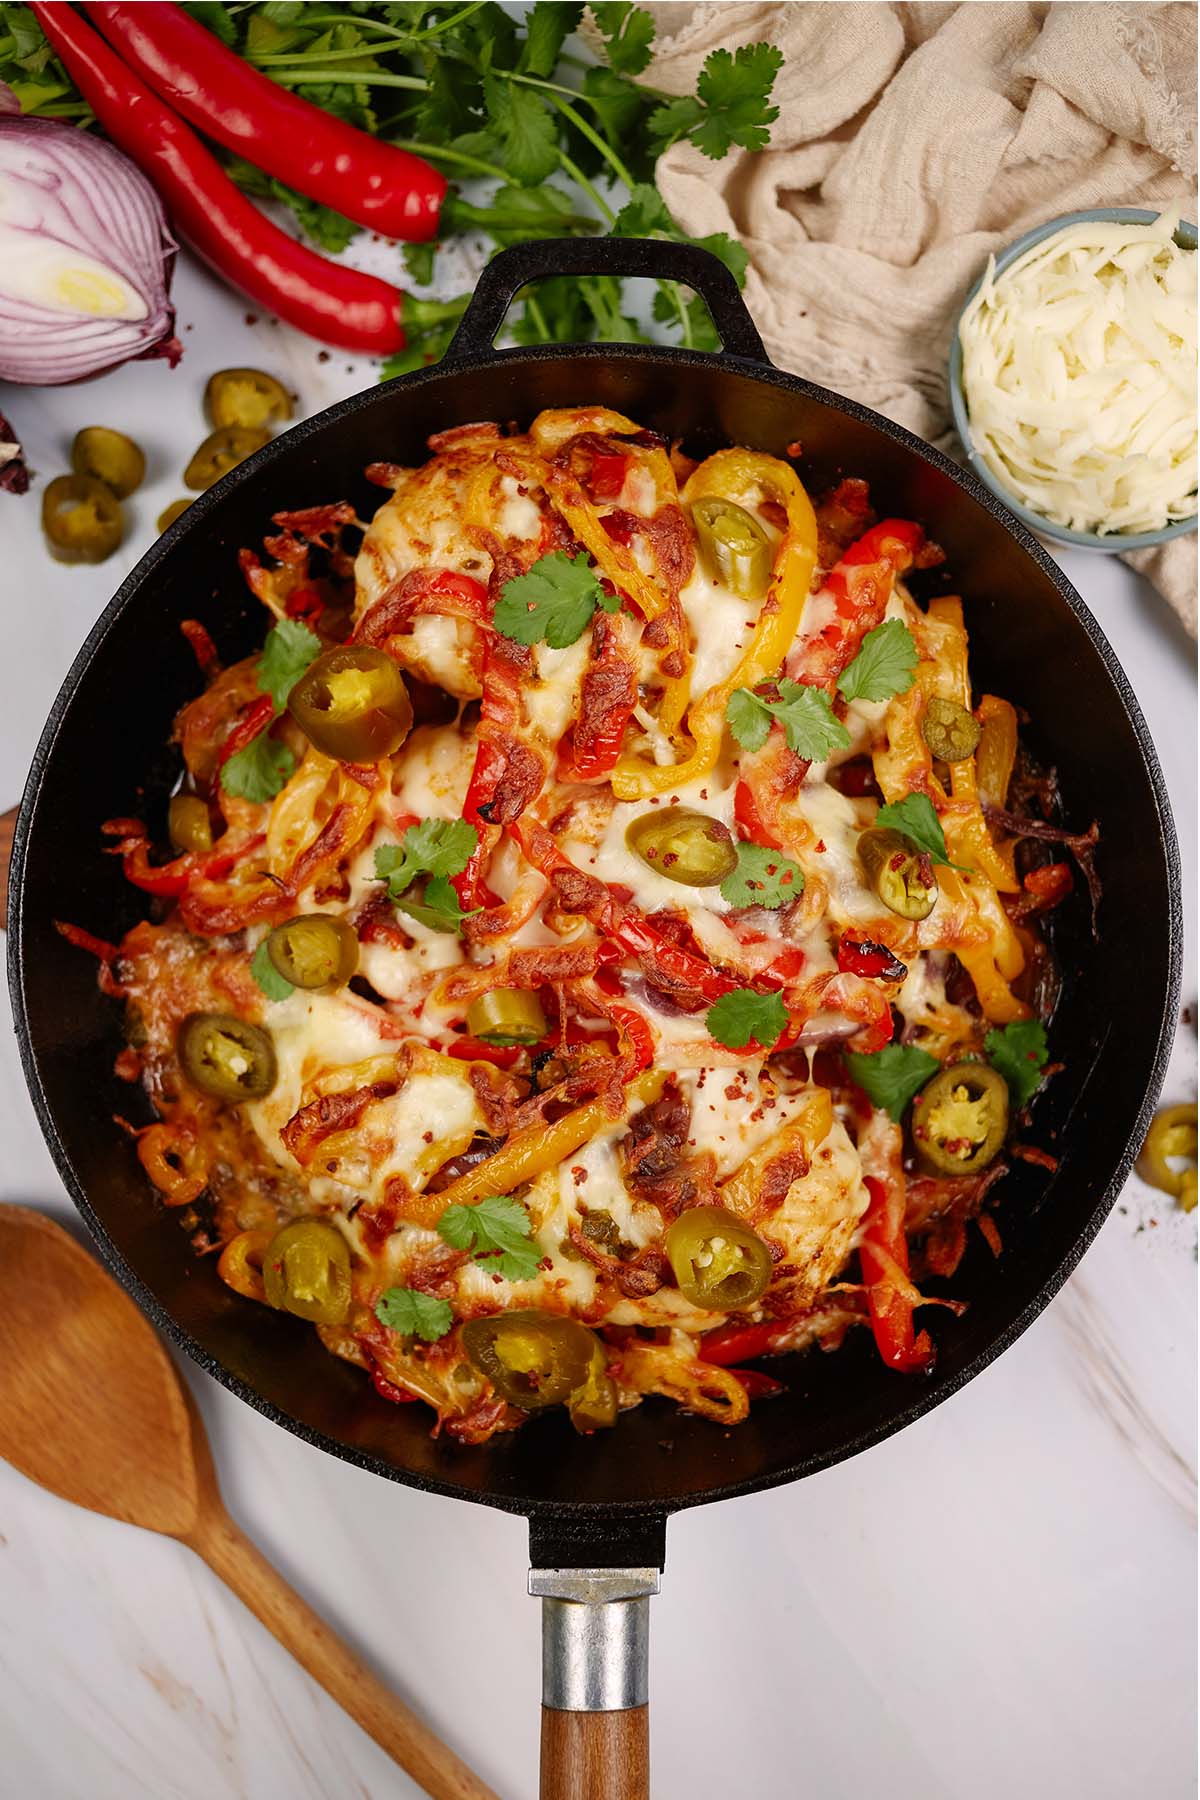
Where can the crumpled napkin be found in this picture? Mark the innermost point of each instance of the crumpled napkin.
(913, 140)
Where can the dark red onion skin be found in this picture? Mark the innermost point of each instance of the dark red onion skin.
(14, 476)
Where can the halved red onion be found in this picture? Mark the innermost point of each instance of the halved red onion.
(85, 256)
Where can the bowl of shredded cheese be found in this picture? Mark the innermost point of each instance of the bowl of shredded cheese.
(1073, 378)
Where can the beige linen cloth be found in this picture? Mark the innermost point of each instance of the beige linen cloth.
(912, 140)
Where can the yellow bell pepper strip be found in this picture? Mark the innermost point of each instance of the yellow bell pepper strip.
(529, 1153)
(997, 752)
(967, 836)
(746, 477)
(987, 946)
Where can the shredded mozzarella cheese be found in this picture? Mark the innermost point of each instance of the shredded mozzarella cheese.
(1079, 373)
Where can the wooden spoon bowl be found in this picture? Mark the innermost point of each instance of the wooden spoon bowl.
(92, 1408)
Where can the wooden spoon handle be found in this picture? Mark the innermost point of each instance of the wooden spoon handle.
(432, 1764)
(596, 1756)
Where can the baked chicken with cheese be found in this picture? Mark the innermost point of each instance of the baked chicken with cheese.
(595, 951)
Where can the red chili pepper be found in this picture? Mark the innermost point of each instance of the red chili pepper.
(85, 940)
(884, 1248)
(757, 1385)
(256, 719)
(860, 956)
(203, 648)
(323, 298)
(741, 1343)
(607, 476)
(387, 190)
(748, 818)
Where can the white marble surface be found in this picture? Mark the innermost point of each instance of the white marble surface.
(999, 1602)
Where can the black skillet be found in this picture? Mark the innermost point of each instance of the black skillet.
(600, 1504)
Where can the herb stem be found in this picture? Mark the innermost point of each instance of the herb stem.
(537, 318)
(444, 153)
(593, 137)
(572, 169)
(348, 77)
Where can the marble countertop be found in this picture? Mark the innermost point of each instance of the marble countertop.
(998, 1602)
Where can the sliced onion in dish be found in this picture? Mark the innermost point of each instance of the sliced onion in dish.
(1079, 375)
(85, 256)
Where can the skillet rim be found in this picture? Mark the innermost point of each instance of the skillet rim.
(541, 1509)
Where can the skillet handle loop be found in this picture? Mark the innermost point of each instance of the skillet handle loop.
(657, 259)
(595, 1682)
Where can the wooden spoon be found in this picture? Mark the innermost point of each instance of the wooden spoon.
(128, 1441)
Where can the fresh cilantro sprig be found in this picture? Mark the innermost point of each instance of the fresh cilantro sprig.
(274, 985)
(884, 666)
(891, 1076)
(805, 713)
(414, 1314)
(497, 1232)
(916, 819)
(1019, 1053)
(263, 767)
(731, 104)
(746, 1017)
(553, 603)
(762, 878)
(438, 849)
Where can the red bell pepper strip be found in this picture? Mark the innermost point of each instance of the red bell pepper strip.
(469, 1049)
(305, 604)
(387, 190)
(640, 1037)
(621, 920)
(883, 1253)
(861, 585)
(860, 956)
(326, 299)
(757, 1385)
(608, 471)
(499, 749)
(387, 1390)
(608, 696)
(203, 648)
(255, 720)
(729, 1344)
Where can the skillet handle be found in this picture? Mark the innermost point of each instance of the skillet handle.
(660, 260)
(8, 824)
(595, 1682)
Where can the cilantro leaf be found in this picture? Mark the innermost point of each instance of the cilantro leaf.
(735, 92)
(884, 664)
(915, 818)
(744, 1017)
(418, 258)
(325, 227)
(547, 25)
(553, 603)
(274, 985)
(762, 878)
(289, 649)
(497, 1232)
(644, 213)
(437, 848)
(1019, 1053)
(804, 712)
(526, 128)
(616, 106)
(438, 906)
(891, 1076)
(414, 1314)
(628, 32)
(673, 120)
(260, 771)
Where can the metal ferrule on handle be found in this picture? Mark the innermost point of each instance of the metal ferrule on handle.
(595, 1637)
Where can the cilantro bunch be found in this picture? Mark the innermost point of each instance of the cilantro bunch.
(565, 146)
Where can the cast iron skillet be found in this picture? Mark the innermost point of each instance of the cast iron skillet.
(599, 1503)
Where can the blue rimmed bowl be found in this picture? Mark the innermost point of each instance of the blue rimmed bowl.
(1113, 542)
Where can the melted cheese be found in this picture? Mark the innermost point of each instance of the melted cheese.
(720, 625)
